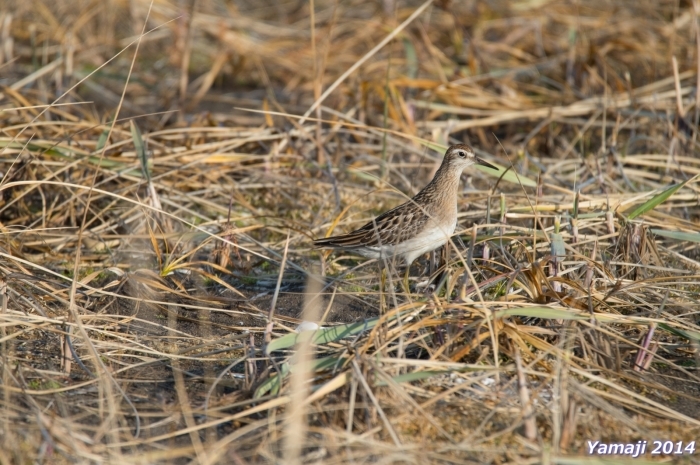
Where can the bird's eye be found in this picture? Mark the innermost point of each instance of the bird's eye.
(462, 153)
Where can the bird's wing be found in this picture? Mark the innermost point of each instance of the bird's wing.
(389, 228)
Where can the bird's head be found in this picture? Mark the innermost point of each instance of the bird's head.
(461, 156)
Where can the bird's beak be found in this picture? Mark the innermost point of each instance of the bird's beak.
(481, 162)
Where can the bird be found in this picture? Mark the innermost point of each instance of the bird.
(417, 226)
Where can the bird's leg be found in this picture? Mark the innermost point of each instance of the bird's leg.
(405, 279)
(442, 276)
(382, 285)
(443, 259)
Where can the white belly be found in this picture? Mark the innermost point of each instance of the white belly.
(414, 248)
(429, 239)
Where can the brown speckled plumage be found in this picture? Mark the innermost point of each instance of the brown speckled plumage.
(420, 225)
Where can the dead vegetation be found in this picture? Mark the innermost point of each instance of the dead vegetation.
(165, 167)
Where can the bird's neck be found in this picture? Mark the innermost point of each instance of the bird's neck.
(443, 187)
(447, 178)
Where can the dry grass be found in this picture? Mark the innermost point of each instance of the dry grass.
(165, 166)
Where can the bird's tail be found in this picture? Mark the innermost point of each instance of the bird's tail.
(335, 242)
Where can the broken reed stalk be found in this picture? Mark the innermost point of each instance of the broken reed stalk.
(296, 427)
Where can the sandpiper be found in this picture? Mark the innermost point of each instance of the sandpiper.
(420, 225)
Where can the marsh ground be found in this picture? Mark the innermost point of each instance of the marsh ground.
(165, 166)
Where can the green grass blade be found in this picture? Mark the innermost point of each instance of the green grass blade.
(685, 333)
(411, 58)
(510, 175)
(321, 336)
(102, 141)
(273, 383)
(140, 148)
(542, 312)
(557, 246)
(656, 200)
(363, 175)
(678, 235)
(414, 376)
(65, 153)
(421, 375)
